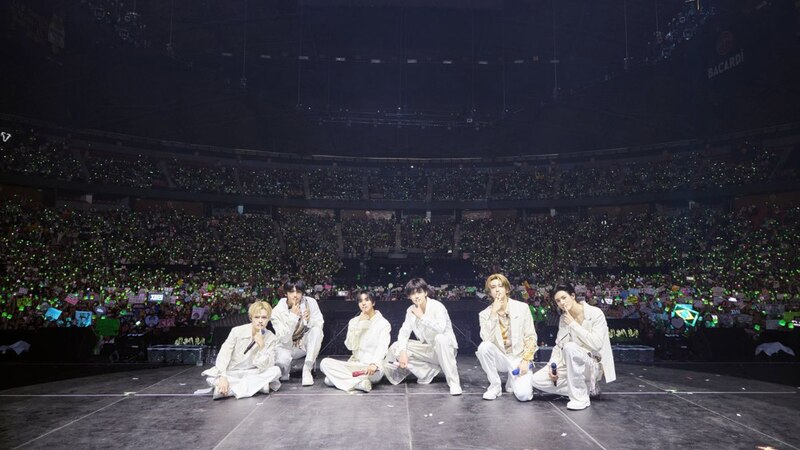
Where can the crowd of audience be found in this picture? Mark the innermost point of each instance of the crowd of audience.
(432, 236)
(745, 164)
(28, 154)
(458, 184)
(195, 178)
(140, 171)
(272, 183)
(336, 183)
(536, 183)
(398, 184)
(738, 267)
(693, 171)
(362, 236)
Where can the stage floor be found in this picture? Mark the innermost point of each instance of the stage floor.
(647, 407)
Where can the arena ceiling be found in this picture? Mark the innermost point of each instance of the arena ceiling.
(357, 77)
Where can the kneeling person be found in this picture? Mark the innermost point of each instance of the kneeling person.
(246, 361)
(435, 348)
(582, 353)
(368, 339)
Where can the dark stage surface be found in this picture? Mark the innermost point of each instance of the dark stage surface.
(688, 406)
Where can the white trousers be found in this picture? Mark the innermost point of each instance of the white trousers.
(246, 382)
(574, 376)
(425, 361)
(340, 373)
(312, 341)
(493, 360)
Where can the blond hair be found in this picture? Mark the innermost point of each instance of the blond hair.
(256, 307)
(503, 280)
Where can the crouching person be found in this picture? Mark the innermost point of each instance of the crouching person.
(246, 361)
(435, 348)
(298, 325)
(508, 339)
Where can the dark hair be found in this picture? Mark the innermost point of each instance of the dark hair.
(369, 294)
(417, 284)
(563, 286)
(292, 284)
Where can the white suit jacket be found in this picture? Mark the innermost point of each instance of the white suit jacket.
(285, 322)
(231, 355)
(521, 326)
(435, 321)
(592, 335)
(368, 339)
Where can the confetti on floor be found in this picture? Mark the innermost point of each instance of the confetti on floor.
(563, 434)
(441, 423)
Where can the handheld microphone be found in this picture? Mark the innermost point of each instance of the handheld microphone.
(554, 370)
(263, 332)
(359, 373)
(515, 372)
(303, 308)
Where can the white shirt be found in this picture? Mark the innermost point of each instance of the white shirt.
(232, 357)
(368, 339)
(521, 329)
(592, 335)
(285, 321)
(434, 322)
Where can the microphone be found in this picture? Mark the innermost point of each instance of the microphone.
(554, 370)
(515, 372)
(263, 332)
(359, 373)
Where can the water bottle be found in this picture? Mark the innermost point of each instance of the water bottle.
(515, 372)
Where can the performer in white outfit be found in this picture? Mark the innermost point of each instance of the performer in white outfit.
(368, 339)
(435, 348)
(298, 325)
(582, 353)
(509, 338)
(246, 361)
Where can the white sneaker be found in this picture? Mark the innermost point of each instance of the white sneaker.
(275, 385)
(308, 379)
(285, 376)
(492, 393)
(328, 382)
(456, 390)
(364, 385)
(575, 405)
